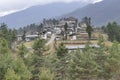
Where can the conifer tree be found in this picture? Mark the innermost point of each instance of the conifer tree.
(11, 75)
(46, 74)
(82, 66)
(37, 58)
(22, 50)
(24, 35)
(22, 70)
(89, 28)
(65, 30)
(61, 51)
(6, 60)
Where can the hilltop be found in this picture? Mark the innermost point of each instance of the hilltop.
(101, 13)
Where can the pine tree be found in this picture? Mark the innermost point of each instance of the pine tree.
(38, 57)
(89, 28)
(4, 31)
(22, 50)
(14, 35)
(22, 70)
(60, 62)
(24, 36)
(40, 30)
(61, 51)
(6, 60)
(11, 75)
(113, 31)
(65, 30)
(38, 46)
(82, 66)
(46, 74)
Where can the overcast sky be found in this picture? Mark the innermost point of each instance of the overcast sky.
(10, 6)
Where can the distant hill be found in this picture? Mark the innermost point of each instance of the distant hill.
(35, 14)
(101, 13)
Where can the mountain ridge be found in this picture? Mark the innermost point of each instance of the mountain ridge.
(35, 14)
(101, 13)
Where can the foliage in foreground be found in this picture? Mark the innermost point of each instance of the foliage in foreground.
(91, 63)
(88, 64)
(10, 68)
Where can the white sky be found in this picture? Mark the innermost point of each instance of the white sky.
(11, 6)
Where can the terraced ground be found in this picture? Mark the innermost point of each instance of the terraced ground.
(50, 45)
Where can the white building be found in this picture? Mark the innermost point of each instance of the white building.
(74, 37)
(44, 36)
(31, 37)
(19, 37)
(75, 47)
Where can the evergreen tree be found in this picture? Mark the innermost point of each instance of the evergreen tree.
(14, 35)
(11, 75)
(82, 66)
(7, 34)
(22, 50)
(89, 28)
(61, 51)
(37, 58)
(22, 70)
(46, 74)
(6, 60)
(24, 36)
(113, 31)
(38, 46)
(60, 63)
(101, 41)
(65, 30)
(40, 30)
(4, 31)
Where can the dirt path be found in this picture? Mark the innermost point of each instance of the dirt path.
(50, 44)
(51, 40)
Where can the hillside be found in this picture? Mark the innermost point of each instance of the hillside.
(101, 13)
(37, 13)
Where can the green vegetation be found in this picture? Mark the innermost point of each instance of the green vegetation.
(65, 30)
(40, 28)
(23, 36)
(8, 34)
(113, 31)
(11, 75)
(89, 29)
(46, 74)
(22, 50)
(101, 63)
(61, 51)
(10, 68)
